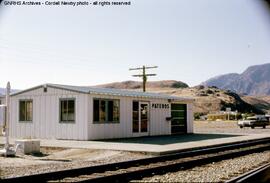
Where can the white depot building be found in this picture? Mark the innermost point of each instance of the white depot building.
(2, 99)
(54, 111)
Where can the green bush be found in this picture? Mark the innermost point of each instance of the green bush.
(197, 115)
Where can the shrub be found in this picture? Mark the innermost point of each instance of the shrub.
(209, 91)
(197, 115)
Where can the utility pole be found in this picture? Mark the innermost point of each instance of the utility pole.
(143, 75)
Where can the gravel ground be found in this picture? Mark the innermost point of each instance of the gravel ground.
(226, 127)
(215, 172)
(220, 171)
(59, 159)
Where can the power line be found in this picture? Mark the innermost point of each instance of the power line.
(143, 75)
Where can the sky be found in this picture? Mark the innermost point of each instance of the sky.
(189, 41)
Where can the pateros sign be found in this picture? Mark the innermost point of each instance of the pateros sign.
(160, 106)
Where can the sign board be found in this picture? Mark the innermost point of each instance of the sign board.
(2, 114)
(228, 109)
(160, 106)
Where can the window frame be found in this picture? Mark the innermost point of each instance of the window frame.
(32, 112)
(67, 121)
(106, 111)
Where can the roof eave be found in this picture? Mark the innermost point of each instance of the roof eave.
(46, 85)
(171, 98)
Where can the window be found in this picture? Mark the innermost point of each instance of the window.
(25, 110)
(67, 110)
(106, 110)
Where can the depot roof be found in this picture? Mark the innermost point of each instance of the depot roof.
(106, 91)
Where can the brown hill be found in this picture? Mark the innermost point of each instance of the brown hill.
(212, 99)
(207, 99)
(150, 84)
(261, 102)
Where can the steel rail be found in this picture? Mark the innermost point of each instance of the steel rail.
(57, 175)
(260, 174)
(139, 174)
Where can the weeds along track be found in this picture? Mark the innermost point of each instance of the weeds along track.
(137, 169)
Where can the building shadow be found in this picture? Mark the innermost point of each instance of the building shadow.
(169, 139)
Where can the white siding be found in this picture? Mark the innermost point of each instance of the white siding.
(45, 122)
(190, 118)
(157, 123)
(111, 130)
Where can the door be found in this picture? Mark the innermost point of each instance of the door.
(140, 122)
(179, 118)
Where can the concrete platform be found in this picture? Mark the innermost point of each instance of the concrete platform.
(154, 145)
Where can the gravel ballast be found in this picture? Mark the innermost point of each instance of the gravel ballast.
(215, 172)
(59, 159)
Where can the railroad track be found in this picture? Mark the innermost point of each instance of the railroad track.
(137, 169)
(260, 174)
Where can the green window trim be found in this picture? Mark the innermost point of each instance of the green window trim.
(179, 118)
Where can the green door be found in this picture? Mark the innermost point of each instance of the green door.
(179, 118)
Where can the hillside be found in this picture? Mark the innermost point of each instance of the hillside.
(261, 102)
(211, 99)
(255, 80)
(150, 84)
(207, 99)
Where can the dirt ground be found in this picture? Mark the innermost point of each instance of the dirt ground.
(226, 127)
(53, 159)
(57, 155)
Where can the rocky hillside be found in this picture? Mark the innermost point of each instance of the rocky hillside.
(212, 99)
(207, 99)
(255, 80)
(150, 84)
(260, 102)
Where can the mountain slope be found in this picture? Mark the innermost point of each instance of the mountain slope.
(261, 102)
(255, 80)
(207, 99)
(211, 99)
(150, 84)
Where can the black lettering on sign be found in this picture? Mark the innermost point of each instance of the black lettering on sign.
(160, 106)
